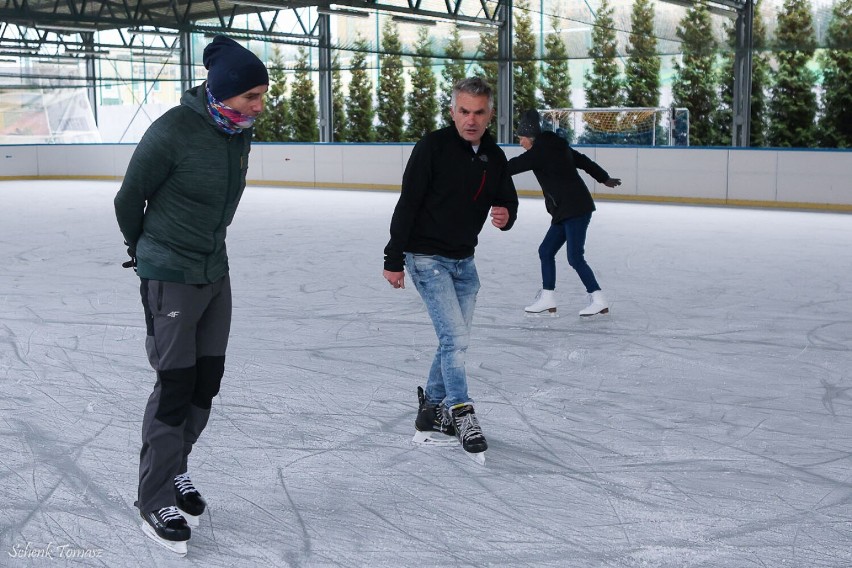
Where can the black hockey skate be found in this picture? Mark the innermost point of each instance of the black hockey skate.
(432, 425)
(467, 428)
(189, 501)
(167, 528)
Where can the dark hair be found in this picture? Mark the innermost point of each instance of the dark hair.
(475, 86)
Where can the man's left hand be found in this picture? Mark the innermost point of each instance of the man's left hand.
(499, 216)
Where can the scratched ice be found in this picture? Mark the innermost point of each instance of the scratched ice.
(706, 422)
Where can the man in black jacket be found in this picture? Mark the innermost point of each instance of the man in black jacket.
(454, 178)
(569, 203)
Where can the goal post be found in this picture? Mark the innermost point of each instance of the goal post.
(640, 126)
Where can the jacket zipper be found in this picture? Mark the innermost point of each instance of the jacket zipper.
(481, 185)
(230, 184)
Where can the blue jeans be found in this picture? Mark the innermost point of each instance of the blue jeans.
(448, 288)
(573, 232)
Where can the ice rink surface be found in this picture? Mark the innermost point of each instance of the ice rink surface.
(706, 422)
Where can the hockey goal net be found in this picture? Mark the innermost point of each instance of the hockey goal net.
(652, 126)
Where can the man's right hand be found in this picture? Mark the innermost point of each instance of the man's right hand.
(396, 279)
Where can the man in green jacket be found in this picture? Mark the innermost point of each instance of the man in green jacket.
(178, 197)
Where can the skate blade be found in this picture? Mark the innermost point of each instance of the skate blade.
(192, 520)
(478, 457)
(603, 312)
(433, 439)
(544, 314)
(176, 546)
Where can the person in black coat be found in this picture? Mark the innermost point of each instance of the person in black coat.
(555, 165)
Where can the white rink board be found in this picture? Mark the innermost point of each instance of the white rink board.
(815, 177)
(122, 154)
(282, 162)
(329, 164)
(19, 161)
(682, 173)
(373, 164)
(619, 163)
(752, 175)
(772, 177)
(59, 160)
(525, 180)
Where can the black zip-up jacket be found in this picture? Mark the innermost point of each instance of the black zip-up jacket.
(447, 193)
(554, 163)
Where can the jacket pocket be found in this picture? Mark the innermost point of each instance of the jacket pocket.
(552, 200)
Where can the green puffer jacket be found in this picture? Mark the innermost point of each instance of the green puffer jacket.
(180, 193)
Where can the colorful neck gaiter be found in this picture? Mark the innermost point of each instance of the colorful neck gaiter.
(227, 119)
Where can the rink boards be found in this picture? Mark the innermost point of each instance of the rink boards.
(787, 178)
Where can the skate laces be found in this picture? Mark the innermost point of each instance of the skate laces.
(467, 425)
(169, 514)
(443, 420)
(184, 484)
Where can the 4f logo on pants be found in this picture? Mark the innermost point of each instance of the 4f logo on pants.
(173, 314)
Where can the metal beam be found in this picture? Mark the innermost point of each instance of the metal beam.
(741, 131)
(326, 112)
(505, 79)
(719, 7)
(186, 58)
(92, 15)
(451, 13)
(91, 73)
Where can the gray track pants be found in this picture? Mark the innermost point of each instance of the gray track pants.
(188, 327)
